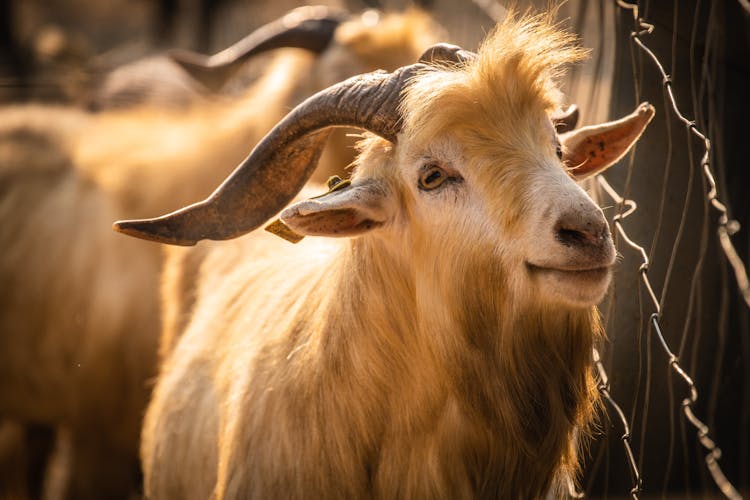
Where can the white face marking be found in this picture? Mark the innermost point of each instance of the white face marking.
(563, 253)
(450, 195)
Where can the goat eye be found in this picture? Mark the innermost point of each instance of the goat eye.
(432, 177)
(559, 152)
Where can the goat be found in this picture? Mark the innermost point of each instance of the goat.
(179, 78)
(441, 347)
(80, 323)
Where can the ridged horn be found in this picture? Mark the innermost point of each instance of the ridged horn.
(311, 28)
(275, 171)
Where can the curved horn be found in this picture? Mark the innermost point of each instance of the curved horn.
(445, 52)
(310, 27)
(272, 175)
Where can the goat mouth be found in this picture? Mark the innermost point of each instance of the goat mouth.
(574, 286)
(577, 273)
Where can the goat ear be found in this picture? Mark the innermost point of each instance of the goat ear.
(591, 150)
(348, 210)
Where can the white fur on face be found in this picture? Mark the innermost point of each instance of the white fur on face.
(565, 267)
(453, 211)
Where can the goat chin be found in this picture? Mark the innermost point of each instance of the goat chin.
(574, 288)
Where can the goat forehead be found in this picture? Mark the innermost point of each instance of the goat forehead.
(525, 131)
(525, 137)
(515, 163)
(498, 130)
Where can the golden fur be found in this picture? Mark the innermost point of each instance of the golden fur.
(77, 337)
(410, 362)
(79, 309)
(514, 76)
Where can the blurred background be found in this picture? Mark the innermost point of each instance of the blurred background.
(85, 58)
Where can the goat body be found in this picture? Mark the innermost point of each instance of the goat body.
(379, 386)
(442, 351)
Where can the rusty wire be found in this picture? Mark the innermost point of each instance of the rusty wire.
(604, 388)
(727, 227)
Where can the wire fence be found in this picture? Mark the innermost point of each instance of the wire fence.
(726, 228)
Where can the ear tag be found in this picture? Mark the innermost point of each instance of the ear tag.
(334, 183)
(281, 230)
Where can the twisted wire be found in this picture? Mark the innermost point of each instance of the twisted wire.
(726, 228)
(604, 388)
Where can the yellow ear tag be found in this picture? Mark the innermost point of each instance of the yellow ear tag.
(281, 230)
(334, 183)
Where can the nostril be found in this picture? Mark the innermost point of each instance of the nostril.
(582, 228)
(584, 234)
(573, 237)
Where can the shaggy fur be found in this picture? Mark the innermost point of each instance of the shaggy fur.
(415, 361)
(305, 406)
(77, 339)
(79, 309)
